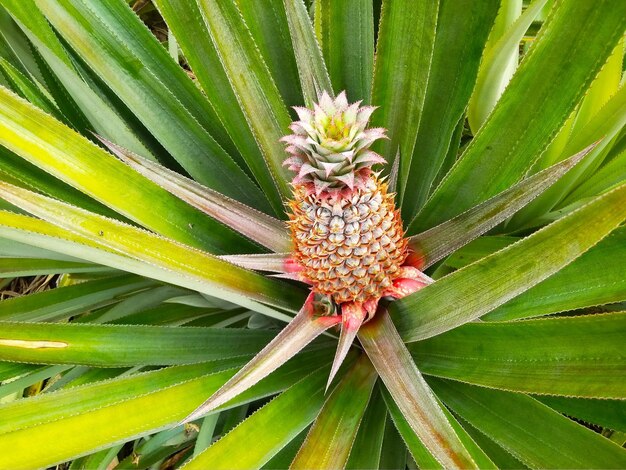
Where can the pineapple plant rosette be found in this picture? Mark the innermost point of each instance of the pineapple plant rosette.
(338, 234)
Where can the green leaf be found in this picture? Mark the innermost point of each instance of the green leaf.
(14, 47)
(607, 177)
(185, 19)
(394, 453)
(254, 87)
(124, 345)
(502, 458)
(15, 249)
(9, 370)
(270, 428)
(367, 445)
(30, 378)
(286, 455)
(596, 278)
(18, 267)
(43, 234)
(434, 244)
(64, 302)
(206, 433)
(345, 31)
(607, 413)
(78, 102)
(136, 302)
(47, 143)
(312, 70)
(536, 356)
(257, 226)
(152, 100)
(555, 441)
(267, 21)
(273, 262)
(462, 29)
(28, 89)
(171, 314)
(307, 325)
(122, 409)
(98, 460)
(401, 75)
(17, 171)
(478, 249)
(330, 439)
(575, 42)
(201, 270)
(509, 272)
(414, 398)
(420, 453)
(606, 124)
(418, 450)
(501, 58)
(127, 31)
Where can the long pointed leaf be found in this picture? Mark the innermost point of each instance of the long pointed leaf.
(462, 29)
(47, 143)
(609, 175)
(606, 413)
(274, 262)
(596, 278)
(156, 105)
(553, 77)
(351, 320)
(64, 302)
(509, 272)
(128, 31)
(270, 428)
(606, 124)
(69, 87)
(410, 392)
(535, 356)
(28, 89)
(434, 244)
(345, 31)
(19, 267)
(555, 441)
(43, 234)
(257, 226)
(500, 61)
(314, 77)
(268, 24)
(185, 19)
(15, 170)
(330, 439)
(252, 82)
(124, 345)
(420, 453)
(214, 276)
(367, 445)
(122, 409)
(401, 75)
(303, 329)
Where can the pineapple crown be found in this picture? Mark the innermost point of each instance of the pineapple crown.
(329, 147)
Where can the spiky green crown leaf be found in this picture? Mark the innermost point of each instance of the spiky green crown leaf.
(330, 146)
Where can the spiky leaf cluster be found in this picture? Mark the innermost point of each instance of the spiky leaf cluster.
(330, 145)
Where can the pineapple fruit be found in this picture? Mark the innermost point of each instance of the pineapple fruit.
(348, 237)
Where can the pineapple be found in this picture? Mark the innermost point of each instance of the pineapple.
(348, 237)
